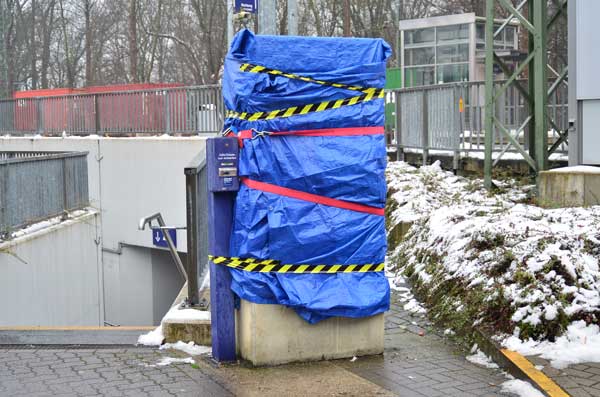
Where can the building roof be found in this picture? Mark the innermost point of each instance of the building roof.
(444, 20)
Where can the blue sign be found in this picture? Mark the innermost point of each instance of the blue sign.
(246, 5)
(159, 240)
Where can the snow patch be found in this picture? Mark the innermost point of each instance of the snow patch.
(190, 348)
(580, 344)
(520, 388)
(173, 360)
(183, 315)
(152, 338)
(480, 358)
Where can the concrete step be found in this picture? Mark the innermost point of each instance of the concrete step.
(71, 335)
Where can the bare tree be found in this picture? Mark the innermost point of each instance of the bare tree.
(133, 41)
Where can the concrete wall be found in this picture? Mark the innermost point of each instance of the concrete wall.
(130, 178)
(53, 277)
(140, 285)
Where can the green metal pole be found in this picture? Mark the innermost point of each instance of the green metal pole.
(489, 93)
(531, 86)
(540, 83)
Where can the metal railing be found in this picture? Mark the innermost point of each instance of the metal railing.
(197, 222)
(165, 230)
(39, 185)
(450, 117)
(180, 110)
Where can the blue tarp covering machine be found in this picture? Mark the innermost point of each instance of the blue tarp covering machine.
(305, 146)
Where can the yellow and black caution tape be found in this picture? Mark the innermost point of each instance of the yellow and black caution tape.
(273, 266)
(248, 67)
(368, 94)
(374, 93)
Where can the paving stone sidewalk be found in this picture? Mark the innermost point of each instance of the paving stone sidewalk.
(102, 372)
(413, 365)
(420, 361)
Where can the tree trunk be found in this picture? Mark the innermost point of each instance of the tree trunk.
(47, 25)
(89, 70)
(33, 48)
(133, 49)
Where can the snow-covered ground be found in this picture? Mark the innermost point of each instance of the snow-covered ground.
(530, 272)
(68, 217)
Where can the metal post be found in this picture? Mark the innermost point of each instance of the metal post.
(267, 17)
(574, 121)
(3, 192)
(425, 131)
(459, 100)
(220, 220)
(489, 93)
(38, 114)
(167, 113)
(64, 187)
(399, 149)
(230, 6)
(191, 189)
(96, 115)
(540, 84)
(292, 17)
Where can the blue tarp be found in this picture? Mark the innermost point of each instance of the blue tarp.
(350, 168)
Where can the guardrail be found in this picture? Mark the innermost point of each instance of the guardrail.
(196, 182)
(180, 110)
(450, 118)
(39, 185)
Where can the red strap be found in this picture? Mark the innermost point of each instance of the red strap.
(335, 131)
(247, 134)
(314, 198)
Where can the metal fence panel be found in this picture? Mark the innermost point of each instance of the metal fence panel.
(441, 123)
(40, 185)
(7, 116)
(443, 119)
(185, 110)
(411, 120)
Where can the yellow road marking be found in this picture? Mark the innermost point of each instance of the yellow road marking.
(537, 376)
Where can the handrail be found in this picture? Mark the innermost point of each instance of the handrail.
(161, 223)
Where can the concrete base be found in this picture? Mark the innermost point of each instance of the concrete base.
(197, 331)
(274, 334)
(569, 187)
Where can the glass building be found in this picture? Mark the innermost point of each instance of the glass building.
(448, 49)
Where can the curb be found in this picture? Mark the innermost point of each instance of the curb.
(518, 366)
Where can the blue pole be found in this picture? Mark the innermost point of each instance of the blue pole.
(221, 161)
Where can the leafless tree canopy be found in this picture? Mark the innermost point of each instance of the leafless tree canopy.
(74, 43)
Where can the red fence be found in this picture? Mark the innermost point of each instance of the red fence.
(115, 109)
